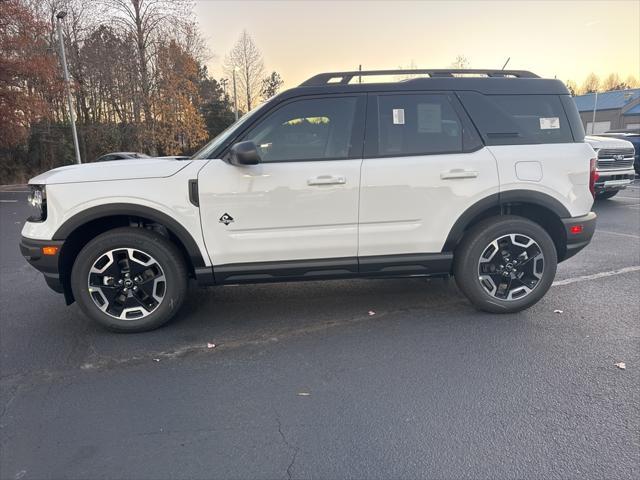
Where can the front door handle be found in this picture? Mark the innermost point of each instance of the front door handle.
(458, 173)
(327, 180)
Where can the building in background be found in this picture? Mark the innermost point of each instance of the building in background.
(615, 110)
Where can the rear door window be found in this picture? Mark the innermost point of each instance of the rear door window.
(417, 124)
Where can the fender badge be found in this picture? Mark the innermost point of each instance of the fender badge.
(226, 219)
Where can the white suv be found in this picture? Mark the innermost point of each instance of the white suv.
(477, 173)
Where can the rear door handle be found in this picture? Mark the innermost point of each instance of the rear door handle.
(327, 180)
(458, 173)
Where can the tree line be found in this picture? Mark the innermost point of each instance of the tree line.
(138, 82)
(593, 84)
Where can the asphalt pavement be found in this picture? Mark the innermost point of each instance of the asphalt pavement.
(341, 379)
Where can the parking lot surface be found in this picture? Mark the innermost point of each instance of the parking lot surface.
(344, 379)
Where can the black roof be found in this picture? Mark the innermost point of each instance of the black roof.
(506, 82)
(346, 77)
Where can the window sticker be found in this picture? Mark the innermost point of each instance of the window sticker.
(549, 123)
(429, 118)
(398, 116)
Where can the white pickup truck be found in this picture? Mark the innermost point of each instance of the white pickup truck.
(615, 165)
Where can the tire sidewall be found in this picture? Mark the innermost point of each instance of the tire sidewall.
(474, 244)
(165, 253)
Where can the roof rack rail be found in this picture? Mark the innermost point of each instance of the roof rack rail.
(343, 78)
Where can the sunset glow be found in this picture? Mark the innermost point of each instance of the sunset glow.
(566, 39)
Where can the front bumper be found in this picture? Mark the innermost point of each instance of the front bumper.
(47, 264)
(610, 180)
(579, 231)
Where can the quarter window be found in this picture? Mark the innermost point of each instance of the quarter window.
(417, 124)
(540, 118)
(518, 119)
(311, 129)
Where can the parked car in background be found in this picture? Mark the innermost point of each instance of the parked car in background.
(120, 156)
(632, 136)
(614, 167)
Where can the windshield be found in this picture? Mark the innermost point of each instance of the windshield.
(218, 140)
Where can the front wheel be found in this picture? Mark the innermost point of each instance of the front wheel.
(505, 264)
(129, 279)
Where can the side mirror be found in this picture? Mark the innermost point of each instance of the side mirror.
(244, 153)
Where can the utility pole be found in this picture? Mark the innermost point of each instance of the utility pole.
(235, 94)
(63, 57)
(224, 82)
(595, 107)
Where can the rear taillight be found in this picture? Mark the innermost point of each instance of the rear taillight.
(593, 176)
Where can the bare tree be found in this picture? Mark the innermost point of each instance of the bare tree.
(591, 84)
(613, 82)
(460, 62)
(145, 21)
(109, 45)
(188, 36)
(271, 85)
(632, 82)
(408, 76)
(572, 87)
(246, 60)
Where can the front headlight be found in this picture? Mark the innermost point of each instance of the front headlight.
(37, 200)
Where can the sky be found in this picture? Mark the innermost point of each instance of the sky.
(563, 39)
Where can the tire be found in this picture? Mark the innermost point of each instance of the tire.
(479, 242)
(144, 261)
(606, 195)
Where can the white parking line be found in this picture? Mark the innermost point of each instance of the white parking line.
(8, 201)
(584, 278)
(616, 233)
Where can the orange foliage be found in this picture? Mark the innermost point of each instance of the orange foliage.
(28, 75)
(179, 125)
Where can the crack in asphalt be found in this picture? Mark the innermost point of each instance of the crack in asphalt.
(265, 339)
(80, 340)
(6, 437)
(13, 392)
(289, 446)
(34, 378)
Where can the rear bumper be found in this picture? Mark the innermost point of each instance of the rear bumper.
(47, 264)
(610, 180)
(577, 240)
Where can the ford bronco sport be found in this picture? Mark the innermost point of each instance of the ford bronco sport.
(479, 174)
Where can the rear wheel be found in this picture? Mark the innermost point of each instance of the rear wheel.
(129, 279)
(605, 195)
(505, 264)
